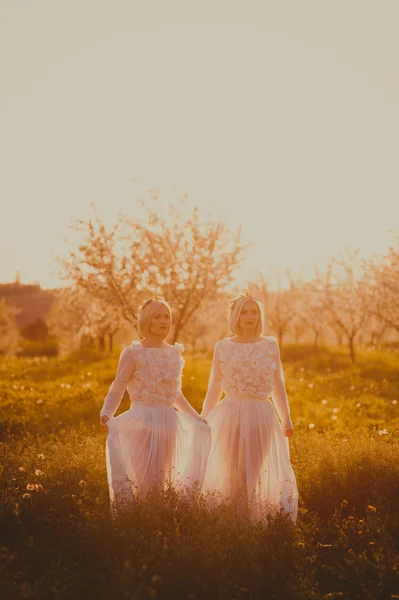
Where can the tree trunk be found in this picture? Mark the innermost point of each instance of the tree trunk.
(373, 337)
(380, 334)
(298, 336)
(280, 337)
(175, 332)
(339, 335)
(111, 342)
(316, 338)
(101, 343)
(352, 348)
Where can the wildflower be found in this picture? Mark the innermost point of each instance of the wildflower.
(365, 389)
(38, 472)
(192, 377)
(40, 401)
(21, 469)
(328, 369)
(324, 401)
(82, 483)
(394, 401)
(301, 544)
(40, 456)
(334, 417)
(68, 386)
(88, 373)
(310, 385)
(301, 379)
(383, 432)
(372, 508)
(15, 387)
(352, 387)
(335, 410)
(34, 486)
(311, 425)
(358, 405)
(62, 385)
(302, 369)
(26, 496)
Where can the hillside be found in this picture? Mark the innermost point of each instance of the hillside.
(32, 301)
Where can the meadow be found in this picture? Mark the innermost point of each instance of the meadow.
(57, 539)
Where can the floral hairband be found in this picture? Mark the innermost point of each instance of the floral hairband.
(157, 297)
(242, 295)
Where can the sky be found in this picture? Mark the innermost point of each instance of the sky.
(282, 117)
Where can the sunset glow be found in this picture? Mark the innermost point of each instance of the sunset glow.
(285, 122)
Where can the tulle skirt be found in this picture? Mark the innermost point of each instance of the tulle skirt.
(152, 446)
(249, 460)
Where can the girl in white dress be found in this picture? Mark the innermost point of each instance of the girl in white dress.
(152, 445)
(249, 459)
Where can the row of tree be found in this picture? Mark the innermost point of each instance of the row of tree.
(191, 262)
(352, 299)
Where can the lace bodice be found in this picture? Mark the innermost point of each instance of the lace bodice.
(248, 370)
(152, 376)
(158, 374)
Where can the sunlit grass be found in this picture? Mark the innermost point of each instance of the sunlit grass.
(59, 542)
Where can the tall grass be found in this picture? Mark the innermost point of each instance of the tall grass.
(58, 540)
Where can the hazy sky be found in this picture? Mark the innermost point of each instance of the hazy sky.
(282, 116)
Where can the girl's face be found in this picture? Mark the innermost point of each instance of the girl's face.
(249, 317)
(160, 323)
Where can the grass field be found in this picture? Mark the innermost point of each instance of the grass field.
(57, 540)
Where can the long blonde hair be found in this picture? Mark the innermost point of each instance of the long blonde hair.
(235, 308)
(145, 313)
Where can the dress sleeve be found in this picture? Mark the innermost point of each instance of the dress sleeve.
(215, 385)
(279, 393)
(181, 403)
(117, 388)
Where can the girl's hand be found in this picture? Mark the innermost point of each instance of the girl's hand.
(103, 421)
(288, 432)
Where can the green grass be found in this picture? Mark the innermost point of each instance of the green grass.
(57, 540)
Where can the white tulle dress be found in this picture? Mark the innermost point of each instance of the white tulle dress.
(249, 458)
(152, 444)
